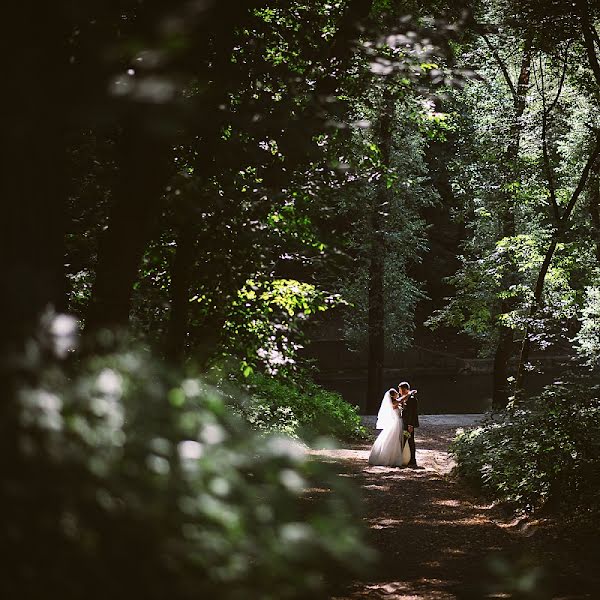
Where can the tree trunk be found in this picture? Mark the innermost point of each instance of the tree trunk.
(535, 304)
(588, 37)
(445, 234)
(594, 206)
(181, 277)
(381, 199)
(376, 334)
(144, 168)
(502, 356)
(505, 348)
(33, 181)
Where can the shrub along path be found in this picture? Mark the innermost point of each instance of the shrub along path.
(438, 541)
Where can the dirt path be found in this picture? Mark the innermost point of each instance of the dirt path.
(438, 542)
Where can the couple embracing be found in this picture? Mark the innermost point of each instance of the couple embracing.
(397, 418)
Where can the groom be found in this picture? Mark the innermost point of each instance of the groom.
(410, 419)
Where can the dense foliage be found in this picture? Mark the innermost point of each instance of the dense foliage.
(543, 453)
(299, 407)
(264, 323)
(526, 154)
(392, 225)
(122, 479)
(522, 162)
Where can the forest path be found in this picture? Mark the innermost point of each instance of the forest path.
(436, 541)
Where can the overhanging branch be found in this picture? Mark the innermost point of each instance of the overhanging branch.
(502, 66)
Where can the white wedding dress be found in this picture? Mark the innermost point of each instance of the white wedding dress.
(389, 449)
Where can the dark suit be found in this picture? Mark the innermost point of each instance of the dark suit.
(410, 416)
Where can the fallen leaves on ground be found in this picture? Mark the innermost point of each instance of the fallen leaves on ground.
(437, 541)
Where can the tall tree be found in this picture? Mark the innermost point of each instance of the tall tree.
(34, 183)
(505, 348)
(145, 157)
(379, 208)
(145, 166)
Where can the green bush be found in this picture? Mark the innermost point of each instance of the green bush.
(299, 408)
(121, 480)
(545, 451)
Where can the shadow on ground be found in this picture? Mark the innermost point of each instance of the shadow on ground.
(437, 541)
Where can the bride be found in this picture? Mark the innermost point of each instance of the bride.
(388, 447)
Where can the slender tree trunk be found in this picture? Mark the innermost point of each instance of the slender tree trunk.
(145, 166)
(594, 206)
(445, 234)
(588, 37)
(535, 305)
(381, 200)
(505, 348)
(181, 277)
(376, 333)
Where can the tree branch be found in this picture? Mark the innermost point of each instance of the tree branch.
(562, 79)
(502, 66)
(524, 75)
(594, 205)
(541, 278)
(582, 181)
(589, 38)
(546, 155)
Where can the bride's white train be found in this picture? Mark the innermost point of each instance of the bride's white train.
(390, 449)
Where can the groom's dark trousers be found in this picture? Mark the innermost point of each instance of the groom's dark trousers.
(410, 416)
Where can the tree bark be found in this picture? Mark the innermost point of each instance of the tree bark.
(445, 234)
(505, 347)
(588, 37)
(376, 332)
(535, 304)
(594, 206)
(33, 182)
(145, 166)
(181, 278)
